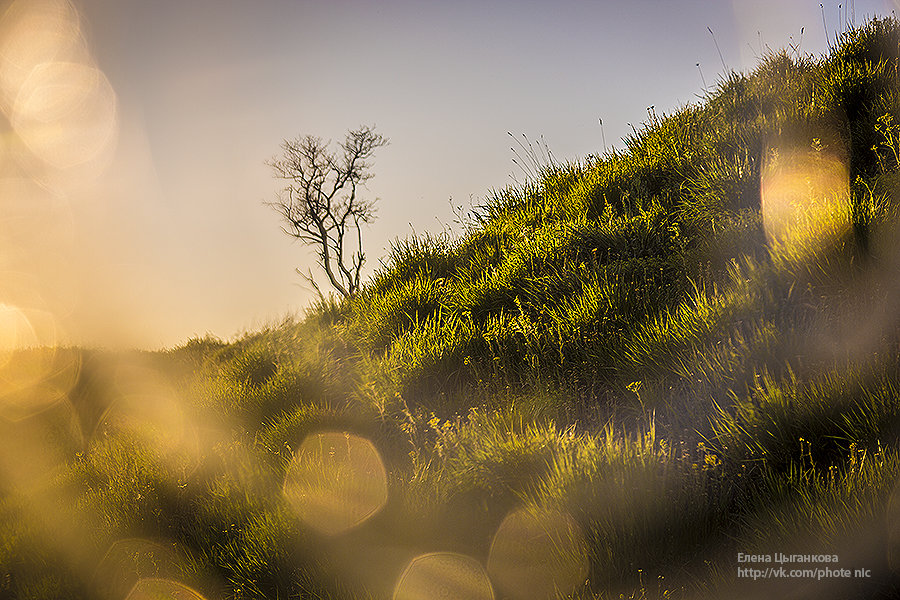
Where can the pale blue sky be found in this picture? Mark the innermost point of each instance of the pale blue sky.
(172, 240)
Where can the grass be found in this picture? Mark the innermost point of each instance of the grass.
(648, 360)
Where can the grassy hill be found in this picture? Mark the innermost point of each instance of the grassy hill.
(628, 370)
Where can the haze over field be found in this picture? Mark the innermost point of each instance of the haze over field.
(133, 175)
(624, 376)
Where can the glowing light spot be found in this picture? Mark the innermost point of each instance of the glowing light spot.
(34, 373)
(61, 106)
(131, 559)
(146, 406)
(39, 427)
(444, 575)
(15, 329)
(336, 481)
(537, 554)
(804, 193)
(161, 589)
(36, 32)
(65, 113)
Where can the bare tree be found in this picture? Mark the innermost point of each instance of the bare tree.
(321, 204)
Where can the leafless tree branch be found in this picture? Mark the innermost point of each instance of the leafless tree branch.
(320, 204)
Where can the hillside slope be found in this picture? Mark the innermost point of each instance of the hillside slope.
(627, 371)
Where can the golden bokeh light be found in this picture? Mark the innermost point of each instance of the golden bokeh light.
(161, 589)
(145, 405)
(804, 191)
(537, 554)
(61, 129)
(131, 559)
(34, 373)
(444, 575)
(32, 33)
(336, 481)
(62, 108)
(15, 329)
(38, 423)
(35, 379)
(65, 113)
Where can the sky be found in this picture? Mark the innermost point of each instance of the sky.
(134, 135)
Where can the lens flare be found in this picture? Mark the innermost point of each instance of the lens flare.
(15, 329)
(146, 406)
(36, 32)
(62, 128)
(538, 554)
(804, 193)
(336, 481)
(444, 575)
(60, 105)
(131, 559)
(65, 113)
(34, 373)
(161, 589)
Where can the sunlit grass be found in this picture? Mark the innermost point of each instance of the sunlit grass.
(647, 361)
